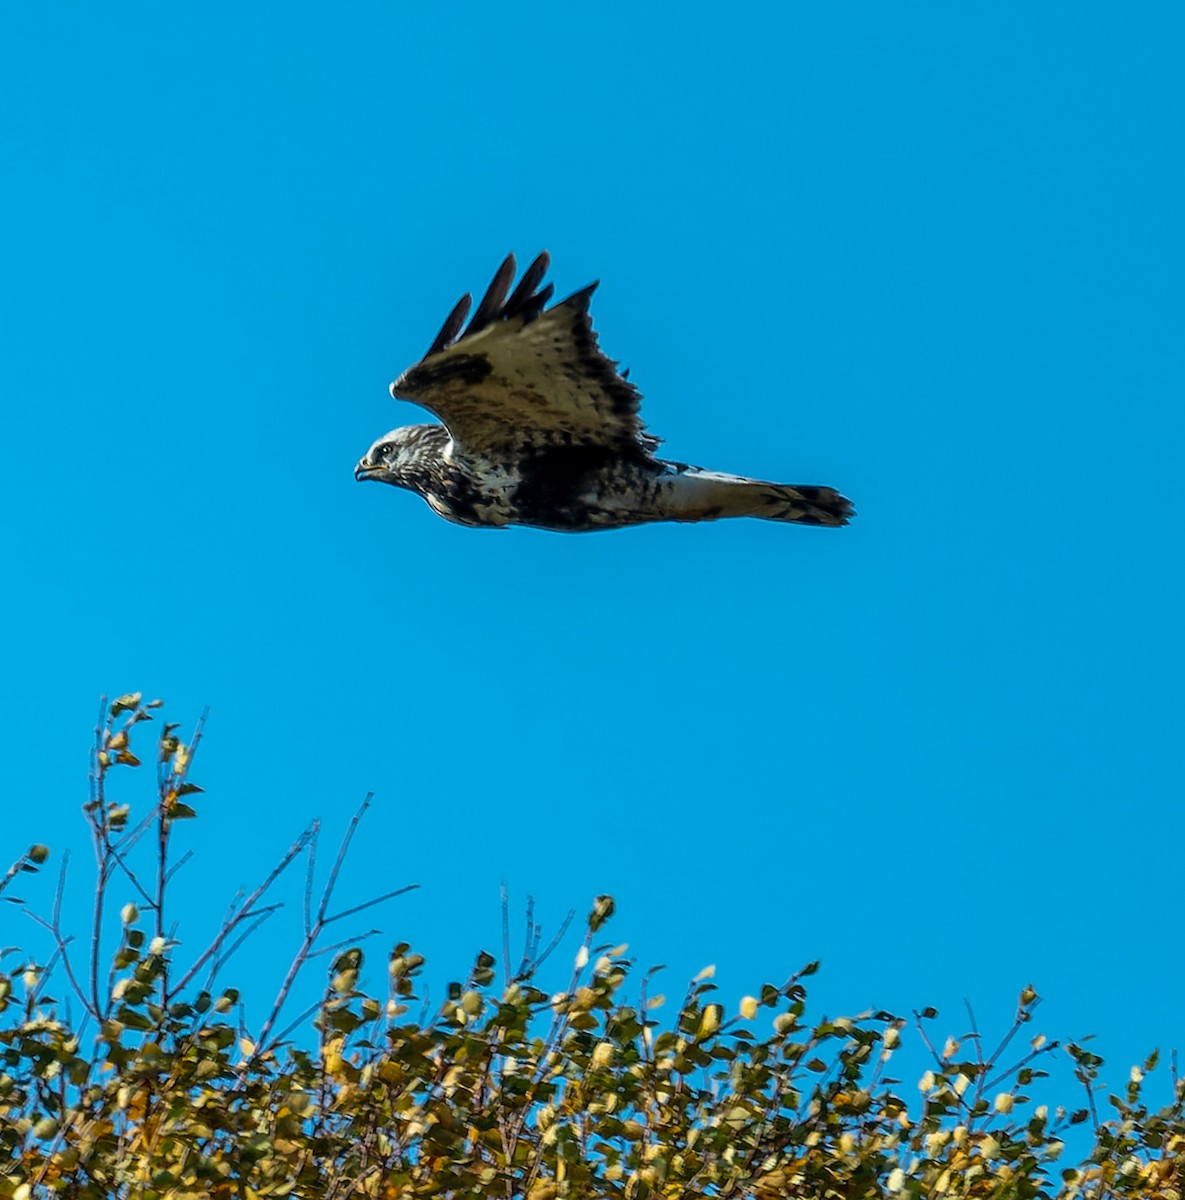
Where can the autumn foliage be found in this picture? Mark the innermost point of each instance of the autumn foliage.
(154, 1088)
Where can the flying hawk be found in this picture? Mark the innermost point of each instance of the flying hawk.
(540, 428)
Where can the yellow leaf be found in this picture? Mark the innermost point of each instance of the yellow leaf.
(709, 1020)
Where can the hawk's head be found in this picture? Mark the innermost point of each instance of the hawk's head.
(404, 457)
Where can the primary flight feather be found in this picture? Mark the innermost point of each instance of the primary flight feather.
(540, 428)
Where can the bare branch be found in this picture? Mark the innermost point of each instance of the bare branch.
(178, 865)
(61, 944)
(278, 1040)
(1021, 1018)
(246, 911)
(349, 912)
(1023, 1062)
(318, 922)
(350, 941)
(135, 833)
(917, 1019)
(565, 925)
(343, 849)
(505, 932)
(531, 935)
(310, 866)
(221, 960)
(129, 874)
(17, 867)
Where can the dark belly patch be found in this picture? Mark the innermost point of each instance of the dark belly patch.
(556, 482)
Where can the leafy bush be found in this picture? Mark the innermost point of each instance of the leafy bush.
(159, 1090)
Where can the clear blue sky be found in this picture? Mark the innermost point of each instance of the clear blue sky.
(928, 253)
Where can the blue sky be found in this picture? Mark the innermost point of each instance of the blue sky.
(928, 253)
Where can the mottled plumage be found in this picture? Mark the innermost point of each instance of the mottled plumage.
(540, 428)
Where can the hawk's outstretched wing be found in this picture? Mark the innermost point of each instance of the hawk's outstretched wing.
(523, 376)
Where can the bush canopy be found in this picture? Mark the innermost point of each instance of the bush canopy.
(156, 1088)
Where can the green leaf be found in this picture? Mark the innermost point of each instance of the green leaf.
(132, 1018)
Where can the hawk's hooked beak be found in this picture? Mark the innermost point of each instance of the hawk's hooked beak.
(366, 470)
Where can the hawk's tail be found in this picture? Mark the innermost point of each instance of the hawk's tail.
(708, 495)
(805, 503)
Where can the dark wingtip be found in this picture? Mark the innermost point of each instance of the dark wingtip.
(496, 305)
(491, 303)
(581, 298)
(452, 326)
(524, 301)
(538, 268)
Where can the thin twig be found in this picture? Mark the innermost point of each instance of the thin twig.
(97, 928)
(505, 933)
(1024, 1062)
(308, 877)
(917, 1017)
(245, 911)
(349, 912)
(565, 925)
(221, 960)
(117, 858)
(343, 850)
(350, 941)
(163, 826)
(319, 921)
(132, 835)
(14, 871)
(974, 1034)
(61, 944)
(530, 940)
(178, 865)
(1017, 1023)
(278, 1040)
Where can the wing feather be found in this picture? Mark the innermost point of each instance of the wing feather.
(452, 326)
(524, 300)
(495, 297)
(523, 376)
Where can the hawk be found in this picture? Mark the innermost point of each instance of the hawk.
(540, 428)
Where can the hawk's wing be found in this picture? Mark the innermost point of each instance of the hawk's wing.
(521, 376)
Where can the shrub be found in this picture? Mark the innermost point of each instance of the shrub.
(505, 1090)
